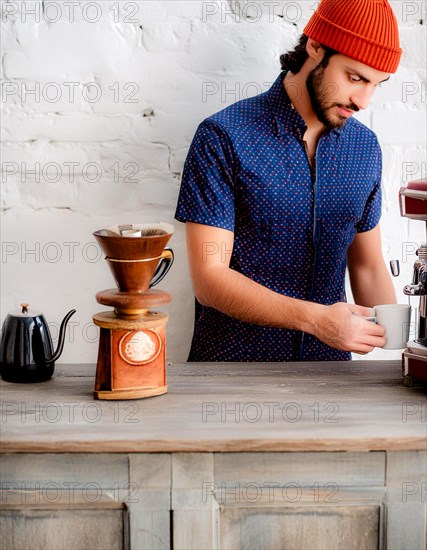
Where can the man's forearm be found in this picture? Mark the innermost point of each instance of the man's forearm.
(336, 325)
(372, 287)
(238, 296)
(370, 279)
(216, 285)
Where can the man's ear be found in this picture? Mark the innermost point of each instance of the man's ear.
(315, 50)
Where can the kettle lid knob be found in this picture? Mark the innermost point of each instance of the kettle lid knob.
(24, 308)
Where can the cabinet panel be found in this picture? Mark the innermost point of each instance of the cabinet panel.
(63, 529)
(352, 527)
(33, 470)
(342, 468)
(407, 503)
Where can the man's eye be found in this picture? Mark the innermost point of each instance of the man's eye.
(354, 78)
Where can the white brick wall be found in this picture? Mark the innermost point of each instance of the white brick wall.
(120, 99)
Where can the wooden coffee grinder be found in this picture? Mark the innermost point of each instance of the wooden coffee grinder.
(132, 345)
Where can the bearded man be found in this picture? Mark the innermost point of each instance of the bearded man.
(282, 192)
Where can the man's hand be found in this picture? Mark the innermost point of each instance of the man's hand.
(345, 327)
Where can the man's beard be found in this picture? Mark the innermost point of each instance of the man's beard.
(320, 98)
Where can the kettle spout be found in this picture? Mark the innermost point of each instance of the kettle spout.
(61, 338)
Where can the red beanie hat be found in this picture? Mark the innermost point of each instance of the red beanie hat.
(365, 30)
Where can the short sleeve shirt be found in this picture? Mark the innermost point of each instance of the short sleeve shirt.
(247, 171)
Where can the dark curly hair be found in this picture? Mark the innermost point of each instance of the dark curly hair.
(294, 60)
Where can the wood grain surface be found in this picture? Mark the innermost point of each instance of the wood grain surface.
(216, 407)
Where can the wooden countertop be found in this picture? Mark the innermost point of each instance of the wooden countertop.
(217, 407)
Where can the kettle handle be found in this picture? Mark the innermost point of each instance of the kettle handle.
(61, 338)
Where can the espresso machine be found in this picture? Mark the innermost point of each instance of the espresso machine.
(413, 204)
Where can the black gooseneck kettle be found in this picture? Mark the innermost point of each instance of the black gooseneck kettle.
(26, 350)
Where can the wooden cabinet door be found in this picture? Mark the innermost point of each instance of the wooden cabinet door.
(33, 528)
(299, 528)
(65, 501)
(279, 501)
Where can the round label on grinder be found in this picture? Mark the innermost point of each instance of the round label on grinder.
(139, 347)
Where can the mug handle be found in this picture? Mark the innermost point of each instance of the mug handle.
(163, 266)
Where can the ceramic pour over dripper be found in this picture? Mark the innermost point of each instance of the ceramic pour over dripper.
(140, 262)
(133, 334)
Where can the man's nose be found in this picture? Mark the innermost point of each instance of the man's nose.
(362, 97)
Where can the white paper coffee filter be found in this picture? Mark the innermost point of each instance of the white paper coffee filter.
(141, 226)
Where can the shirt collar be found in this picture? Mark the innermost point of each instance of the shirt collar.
(286, 116)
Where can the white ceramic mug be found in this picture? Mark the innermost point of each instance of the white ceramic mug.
(396, 319)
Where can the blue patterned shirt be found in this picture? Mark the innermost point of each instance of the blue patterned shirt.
(247, 171)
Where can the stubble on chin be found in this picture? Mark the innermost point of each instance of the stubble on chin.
(334, 121)
(319, 102)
